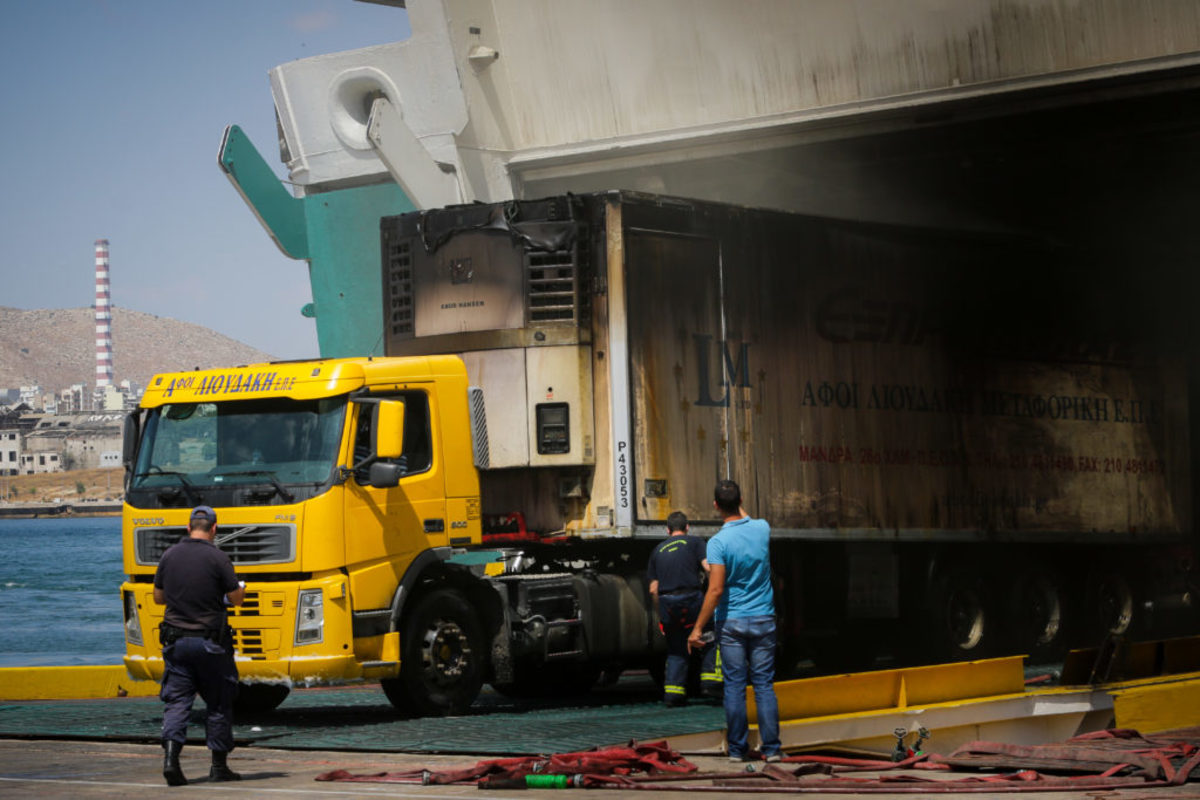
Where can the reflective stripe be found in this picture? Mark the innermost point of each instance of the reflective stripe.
(674, 689)
(712, 677)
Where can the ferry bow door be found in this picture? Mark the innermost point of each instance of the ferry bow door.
(388, 527)
(680, 392)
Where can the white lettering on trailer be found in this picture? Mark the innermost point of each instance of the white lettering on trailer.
(618, 372)
(622, 474)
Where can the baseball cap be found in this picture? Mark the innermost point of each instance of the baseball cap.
(204, 513)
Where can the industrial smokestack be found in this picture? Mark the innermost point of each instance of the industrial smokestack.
(104, 358)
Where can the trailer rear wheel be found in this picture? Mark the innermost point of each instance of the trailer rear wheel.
(442, 655)
(1037, 613)
(958, 622)
(1110, 604)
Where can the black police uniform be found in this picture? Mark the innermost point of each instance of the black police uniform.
(197, 642)
(676, 565)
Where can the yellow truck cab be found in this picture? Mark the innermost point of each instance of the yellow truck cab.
(343, 490)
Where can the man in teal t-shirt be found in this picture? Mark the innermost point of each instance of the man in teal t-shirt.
(742, 601)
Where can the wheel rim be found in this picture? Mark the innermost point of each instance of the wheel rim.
(1043, 611)
(1115, 605)
(445, 652)
(966, 618)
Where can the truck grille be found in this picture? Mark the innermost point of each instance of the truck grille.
(248, 544)
(259, 604)
(249, 643)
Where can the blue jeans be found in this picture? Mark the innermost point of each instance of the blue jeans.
(748, 655)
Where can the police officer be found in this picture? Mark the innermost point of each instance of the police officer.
(195, 580)
(676, 574)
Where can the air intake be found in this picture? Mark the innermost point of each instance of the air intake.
(479, 432)
(399, 288)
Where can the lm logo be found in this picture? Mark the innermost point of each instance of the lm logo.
(733, 367)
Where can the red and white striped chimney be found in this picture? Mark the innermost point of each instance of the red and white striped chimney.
(104, 355)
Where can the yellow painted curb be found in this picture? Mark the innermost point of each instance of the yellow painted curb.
(71, 683)
(1156, 705)
(898, 689)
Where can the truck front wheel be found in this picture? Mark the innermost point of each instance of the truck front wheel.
(259, 698)
(441, 659)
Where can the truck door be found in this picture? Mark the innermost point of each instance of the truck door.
(386, 528)
(682, 360)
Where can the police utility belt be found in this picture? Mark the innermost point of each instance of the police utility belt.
(169, 634)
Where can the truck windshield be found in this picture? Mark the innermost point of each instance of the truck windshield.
(276, 441)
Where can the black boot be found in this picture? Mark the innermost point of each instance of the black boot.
(171, 769)
(220, 771)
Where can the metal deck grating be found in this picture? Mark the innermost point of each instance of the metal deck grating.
(360, 718)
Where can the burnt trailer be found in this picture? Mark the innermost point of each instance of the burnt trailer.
(965, 444)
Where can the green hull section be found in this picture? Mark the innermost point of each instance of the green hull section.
(337, 232)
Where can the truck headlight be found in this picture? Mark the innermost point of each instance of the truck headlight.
(310, 616)
(133, 625)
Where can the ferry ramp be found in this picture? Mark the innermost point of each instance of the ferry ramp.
(361, 718)
(106, 747)
(1150, 687)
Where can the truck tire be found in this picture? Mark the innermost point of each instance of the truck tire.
(442, 656)
(1038, 613)
(1110, 605)
(958, 618)
(259, 698)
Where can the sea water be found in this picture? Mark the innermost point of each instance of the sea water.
(60, 592)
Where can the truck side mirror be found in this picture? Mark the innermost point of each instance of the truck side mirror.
(384, 474)
(129, 437)
(387, 432)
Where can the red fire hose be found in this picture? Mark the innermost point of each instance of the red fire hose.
(1120, 759)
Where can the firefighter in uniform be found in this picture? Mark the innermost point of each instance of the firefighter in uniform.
(194, 581)
(676, 576)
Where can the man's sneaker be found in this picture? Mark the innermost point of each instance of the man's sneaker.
(775, 757)
(738, 759)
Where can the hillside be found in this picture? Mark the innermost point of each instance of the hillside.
(55, 348)
(101, 484)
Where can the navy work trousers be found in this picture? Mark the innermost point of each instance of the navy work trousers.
(199, 666)
(678, 613)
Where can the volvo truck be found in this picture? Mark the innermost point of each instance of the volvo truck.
(965, 445)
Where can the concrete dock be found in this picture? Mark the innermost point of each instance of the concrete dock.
(107, 746)
(63, 770)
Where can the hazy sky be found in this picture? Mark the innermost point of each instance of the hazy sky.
(113, 112)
